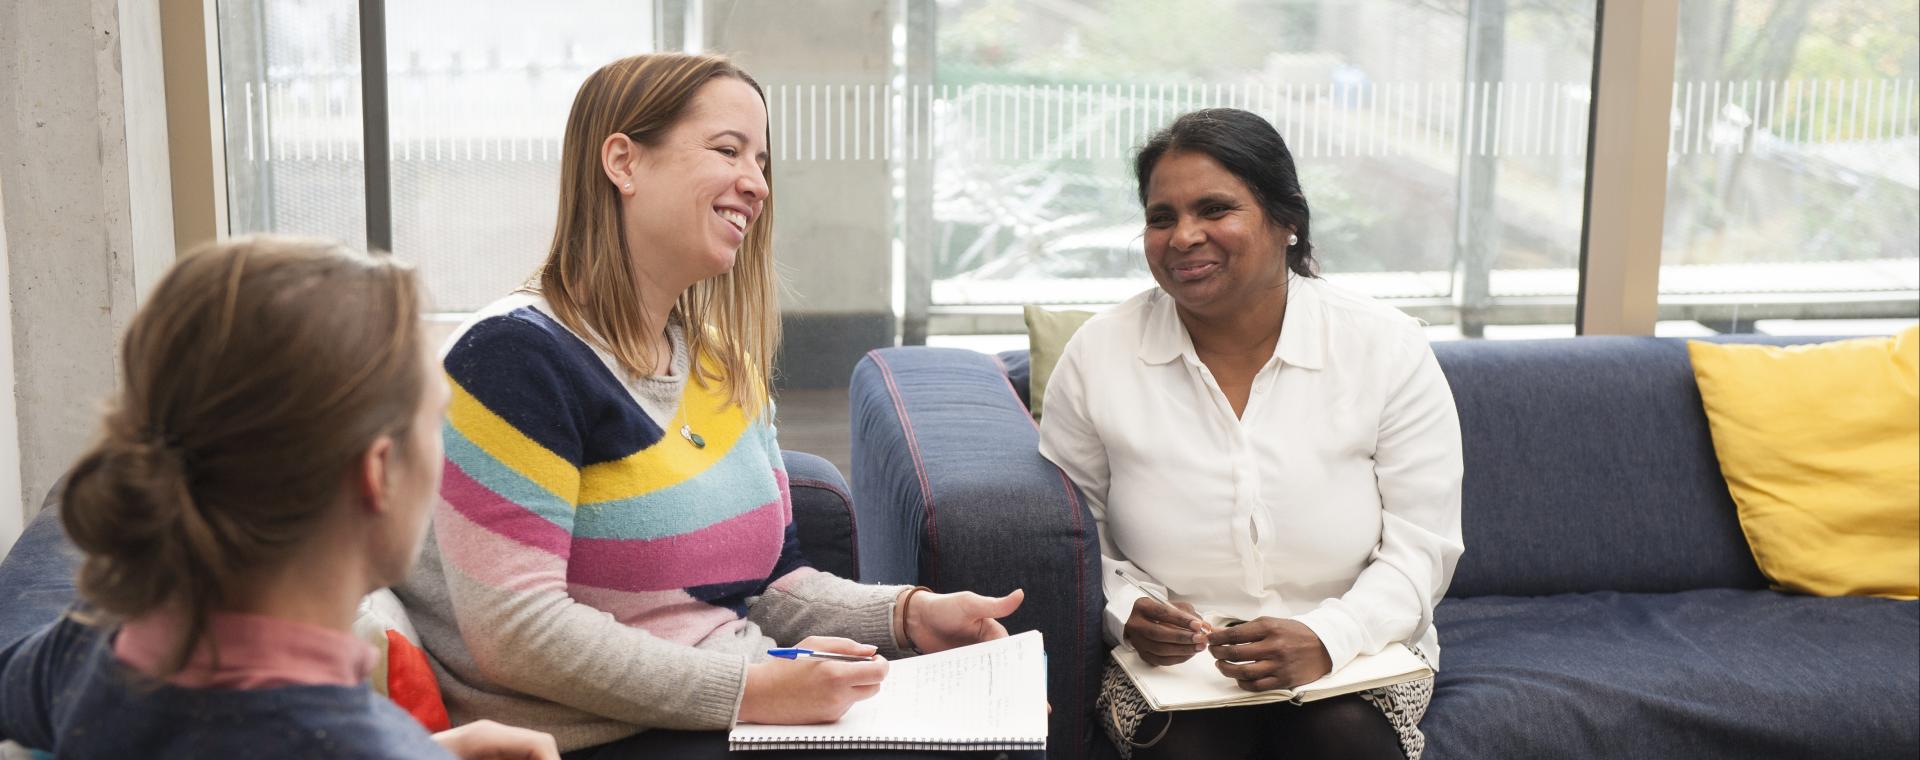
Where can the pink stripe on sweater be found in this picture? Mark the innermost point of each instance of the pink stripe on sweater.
(496, 513)
(743, 548)
(492, 559)
(670, 615)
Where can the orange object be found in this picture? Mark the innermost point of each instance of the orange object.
(410, 683)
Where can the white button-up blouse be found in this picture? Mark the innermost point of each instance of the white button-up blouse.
(1334, 499)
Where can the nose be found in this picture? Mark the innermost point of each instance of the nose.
(1187, 235)
(753, 184)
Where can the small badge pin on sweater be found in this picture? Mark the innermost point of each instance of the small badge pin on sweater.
(686, 431)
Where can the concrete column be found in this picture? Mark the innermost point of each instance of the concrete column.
(13, 512)
(832, 224)
(87, 218)
(1627, 168)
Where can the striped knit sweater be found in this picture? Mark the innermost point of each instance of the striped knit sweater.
(591, 572)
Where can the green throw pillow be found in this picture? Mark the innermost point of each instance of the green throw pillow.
(1047, 334)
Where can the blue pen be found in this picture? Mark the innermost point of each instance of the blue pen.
(794, 653)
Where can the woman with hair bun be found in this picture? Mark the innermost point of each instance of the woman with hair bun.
(271, 458)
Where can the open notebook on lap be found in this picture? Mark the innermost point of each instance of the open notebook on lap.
(987, 696)
(1197, 684)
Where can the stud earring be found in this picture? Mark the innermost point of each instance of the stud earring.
(629, 185)
(1292, 239)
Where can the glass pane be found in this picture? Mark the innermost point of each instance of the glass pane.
(1793, 193)
(290, 85)
(480, 91)
(1441, 145)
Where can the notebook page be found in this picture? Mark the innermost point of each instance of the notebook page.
(996, 690)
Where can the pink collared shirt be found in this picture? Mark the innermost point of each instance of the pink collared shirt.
(255, 652)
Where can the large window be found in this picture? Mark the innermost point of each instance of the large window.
(1793, 187)
(478, 92)
(1441, 144)
(982, 147)
(290, 81)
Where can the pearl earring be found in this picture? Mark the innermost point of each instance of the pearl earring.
(1292, 239)
(629, 185)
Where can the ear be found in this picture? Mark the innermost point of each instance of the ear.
(620, 160)
(371, 477)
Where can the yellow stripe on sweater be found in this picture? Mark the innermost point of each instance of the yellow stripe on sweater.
(673, 460)
(510, 447)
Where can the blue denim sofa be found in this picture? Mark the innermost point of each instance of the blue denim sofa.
(1607, 604)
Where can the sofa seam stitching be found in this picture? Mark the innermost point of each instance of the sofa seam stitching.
(919, 466)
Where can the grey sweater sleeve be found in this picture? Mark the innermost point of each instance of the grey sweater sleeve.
(808, 602)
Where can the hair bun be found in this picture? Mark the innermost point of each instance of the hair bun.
(125, 494)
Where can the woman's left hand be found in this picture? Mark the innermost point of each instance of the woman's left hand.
(1269, 653)
(936, 622)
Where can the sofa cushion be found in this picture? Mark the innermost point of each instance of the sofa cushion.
(1589, 468)
(1047, 334)
(1819, 447)
(1710, 673)
(402, 672)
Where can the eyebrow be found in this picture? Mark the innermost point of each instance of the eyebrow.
(744, 140)
(1204, 200)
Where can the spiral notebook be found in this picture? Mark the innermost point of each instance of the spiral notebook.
(988, 696)
(1197, 684)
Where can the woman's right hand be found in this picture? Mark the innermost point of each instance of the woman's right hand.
(1162, 635)
(807, 690)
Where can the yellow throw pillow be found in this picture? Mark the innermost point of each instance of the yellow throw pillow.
(1820, 446)
(1047, 334)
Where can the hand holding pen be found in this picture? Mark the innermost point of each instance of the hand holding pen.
(1163, 632)
(814, 681)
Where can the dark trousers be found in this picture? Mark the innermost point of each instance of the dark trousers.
(1342, 727)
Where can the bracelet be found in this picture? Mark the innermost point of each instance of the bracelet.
(905, 605)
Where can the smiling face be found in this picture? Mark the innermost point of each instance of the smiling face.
(1208, 242)
(699, 189)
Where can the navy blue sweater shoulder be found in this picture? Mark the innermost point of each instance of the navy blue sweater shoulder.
(63, 691)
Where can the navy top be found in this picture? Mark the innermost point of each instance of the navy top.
(62, 690)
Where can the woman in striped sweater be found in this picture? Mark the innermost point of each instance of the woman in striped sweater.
(614, 549)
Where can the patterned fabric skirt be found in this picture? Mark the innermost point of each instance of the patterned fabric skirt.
(1122, 709)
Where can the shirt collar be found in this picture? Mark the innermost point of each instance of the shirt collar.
(1303, 335)
(254, 652)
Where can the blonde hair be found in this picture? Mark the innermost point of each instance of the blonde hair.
(732, 321)
(256, 376)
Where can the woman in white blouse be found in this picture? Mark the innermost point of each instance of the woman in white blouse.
(1267, 448)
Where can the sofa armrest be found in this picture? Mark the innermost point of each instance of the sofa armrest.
(823, 514)
(955, 495)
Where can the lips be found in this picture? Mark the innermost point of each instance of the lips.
(1195, 270)
(734, 217)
